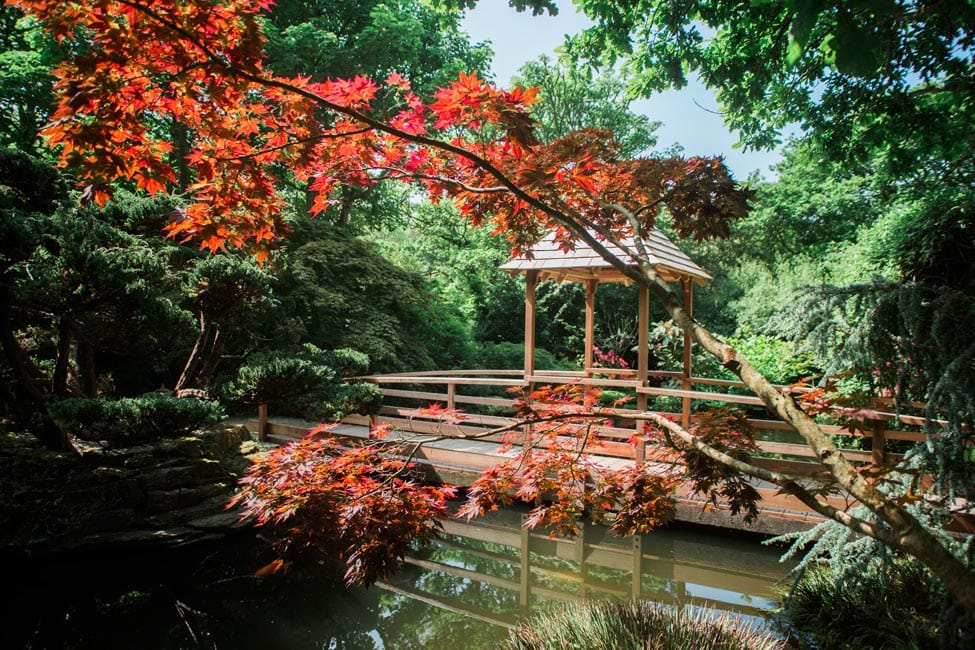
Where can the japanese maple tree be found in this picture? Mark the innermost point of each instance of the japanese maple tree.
(199, 64)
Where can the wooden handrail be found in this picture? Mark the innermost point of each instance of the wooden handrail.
(454, 380)
(441, 379)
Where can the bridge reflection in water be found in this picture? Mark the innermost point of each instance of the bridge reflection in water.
(491, 570)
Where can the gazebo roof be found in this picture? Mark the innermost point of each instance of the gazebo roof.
(583, 263)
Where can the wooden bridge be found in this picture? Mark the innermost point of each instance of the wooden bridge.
(483, 395)
(677, 393)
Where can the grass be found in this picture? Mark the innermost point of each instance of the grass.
(641, 625)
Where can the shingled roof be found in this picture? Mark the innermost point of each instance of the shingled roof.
(584, 263)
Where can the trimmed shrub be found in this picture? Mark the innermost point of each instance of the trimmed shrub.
(135, 419)
(613, 625)
(305, 383)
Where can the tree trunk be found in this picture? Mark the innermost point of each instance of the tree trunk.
(212, 358)
(32, 407)
(181, 137)
(196, 355)
(59, 383)
(908, 534)
(87, 377)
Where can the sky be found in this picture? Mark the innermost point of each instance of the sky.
(688, 115)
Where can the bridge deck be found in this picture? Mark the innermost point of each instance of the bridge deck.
(460, 461)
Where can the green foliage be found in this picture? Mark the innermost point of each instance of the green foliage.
(914, 341)
(889, 604)
(332, 38)
(779, 361)
(134, 419)
(341, 293)
(511, 356)
(27, 55)
(29, 184)
(813, 206)
(845, 71)
(348, 363)
(305, 382)
(852, 591)
(598, 625)
(575, 96)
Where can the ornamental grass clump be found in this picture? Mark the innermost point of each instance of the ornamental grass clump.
(611, 625)
(893, 604)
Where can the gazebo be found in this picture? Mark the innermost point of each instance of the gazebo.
(547, 261)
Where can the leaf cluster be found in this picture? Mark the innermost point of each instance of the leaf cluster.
(319, 496)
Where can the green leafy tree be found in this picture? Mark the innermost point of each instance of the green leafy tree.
(576, 96)
(851, 73)
(336, 39)
(305, 382)
(30, 191)
(331, 38)
(341, 293)
(27, 55)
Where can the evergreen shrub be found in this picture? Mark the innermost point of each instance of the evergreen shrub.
(890, 603)
(305, 382)
(134, 419)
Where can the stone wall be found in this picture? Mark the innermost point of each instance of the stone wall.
(169, 492)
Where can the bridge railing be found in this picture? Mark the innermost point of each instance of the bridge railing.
(877, 439)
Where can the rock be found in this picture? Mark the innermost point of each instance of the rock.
(176, 500)
(158, 501)
(225, 443)
(250, 448)
(119, 519)
(220, 521)
(189, 446)
(110, 474)
(167, 478)
(171, 491)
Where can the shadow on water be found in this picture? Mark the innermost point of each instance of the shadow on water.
(464, 591)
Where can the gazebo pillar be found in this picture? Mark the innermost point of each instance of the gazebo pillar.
(643, 347)
(686, 370)
(531, 282)
(590, 322)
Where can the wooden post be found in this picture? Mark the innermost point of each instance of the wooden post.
(637, 589)
(262, 422)
(643, 367)
(374, 417)
(531, 282)
(526, 569)
(643, 345)
(590, 321)
(878, 455)
(451, 395)
(686, 371)
(580, 550)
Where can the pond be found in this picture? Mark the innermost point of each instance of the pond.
(464, 591)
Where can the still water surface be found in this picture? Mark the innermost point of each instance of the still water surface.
(463, 592)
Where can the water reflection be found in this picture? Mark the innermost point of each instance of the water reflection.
(473, 585)
(464, 591)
